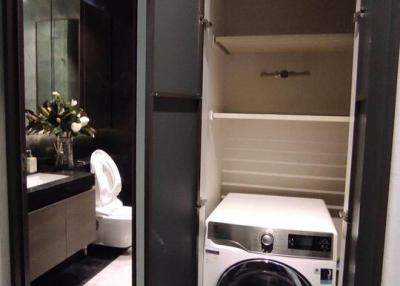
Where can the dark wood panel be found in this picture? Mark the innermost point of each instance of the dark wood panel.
(47, 238)
(81, 221)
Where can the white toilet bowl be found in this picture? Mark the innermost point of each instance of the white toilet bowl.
(114, 221)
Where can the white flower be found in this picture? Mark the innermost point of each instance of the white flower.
(76, 127)
(84, 120)
(56, 93)
(74, 102)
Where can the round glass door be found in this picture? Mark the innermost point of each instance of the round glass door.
(262, 273)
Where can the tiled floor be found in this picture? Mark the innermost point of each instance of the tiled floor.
(99, 267)
(119, 272)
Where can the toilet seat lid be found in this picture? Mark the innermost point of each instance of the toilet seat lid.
(107, 178)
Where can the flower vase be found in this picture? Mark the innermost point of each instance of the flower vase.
(65, 152)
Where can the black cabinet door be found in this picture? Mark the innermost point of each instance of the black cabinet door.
(172, 194)
(174, 79)
(177, 41)
(373, 134)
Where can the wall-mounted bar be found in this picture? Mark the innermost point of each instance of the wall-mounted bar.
(282, 74)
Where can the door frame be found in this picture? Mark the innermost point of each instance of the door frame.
(15, 140)
(14, 90)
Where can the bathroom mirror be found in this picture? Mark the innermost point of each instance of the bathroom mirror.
(51, 50)
(60, 71)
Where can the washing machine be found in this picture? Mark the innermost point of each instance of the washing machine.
(258, 240)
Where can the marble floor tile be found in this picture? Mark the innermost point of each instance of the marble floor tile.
(119, 272)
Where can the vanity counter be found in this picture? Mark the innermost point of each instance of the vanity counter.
(46, 194)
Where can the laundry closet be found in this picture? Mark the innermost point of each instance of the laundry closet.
(278, 100)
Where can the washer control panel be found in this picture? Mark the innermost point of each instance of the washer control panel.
(273, 241)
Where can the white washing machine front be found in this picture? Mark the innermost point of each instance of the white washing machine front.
(232, 266)
(256, 240)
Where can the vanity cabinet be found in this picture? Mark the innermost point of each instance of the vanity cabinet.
(47, 233)
(80, 221)
(59, 230)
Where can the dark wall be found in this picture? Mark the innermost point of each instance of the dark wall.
(108, 64)
(96, 80)
(123, 89)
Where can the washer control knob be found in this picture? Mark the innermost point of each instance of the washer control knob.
(267, 242)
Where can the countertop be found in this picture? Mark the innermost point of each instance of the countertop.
(46, 194)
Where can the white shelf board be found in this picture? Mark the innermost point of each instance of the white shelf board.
(292, 176)
(287, 43)
(280, 188)
(280, 117)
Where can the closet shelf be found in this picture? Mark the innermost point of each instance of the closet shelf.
(279, 188)
(286, 43)
(279, 117)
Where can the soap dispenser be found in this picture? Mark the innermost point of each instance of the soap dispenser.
(31, 162)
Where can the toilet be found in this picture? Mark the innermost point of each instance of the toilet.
(114, 220)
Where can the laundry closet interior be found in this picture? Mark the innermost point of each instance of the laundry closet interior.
(278, 101)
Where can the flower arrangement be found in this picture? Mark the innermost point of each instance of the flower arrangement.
(59, 117)
(65, 120)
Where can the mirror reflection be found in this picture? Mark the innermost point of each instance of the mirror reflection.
(79, 64)
(60, 71)
(51, 50)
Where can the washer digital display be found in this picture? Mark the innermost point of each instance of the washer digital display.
(314, 243)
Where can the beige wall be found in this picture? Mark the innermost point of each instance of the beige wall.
(260, 17)
(325, 92)
(391, 261)
(4, 235)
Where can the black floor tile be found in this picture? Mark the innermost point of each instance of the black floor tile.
(79, 269)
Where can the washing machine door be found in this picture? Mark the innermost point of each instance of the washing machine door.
(262, 272)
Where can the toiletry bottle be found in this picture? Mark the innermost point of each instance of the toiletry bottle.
(31, 162)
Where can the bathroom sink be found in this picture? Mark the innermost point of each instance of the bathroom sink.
(48, 188)
(38, 179)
